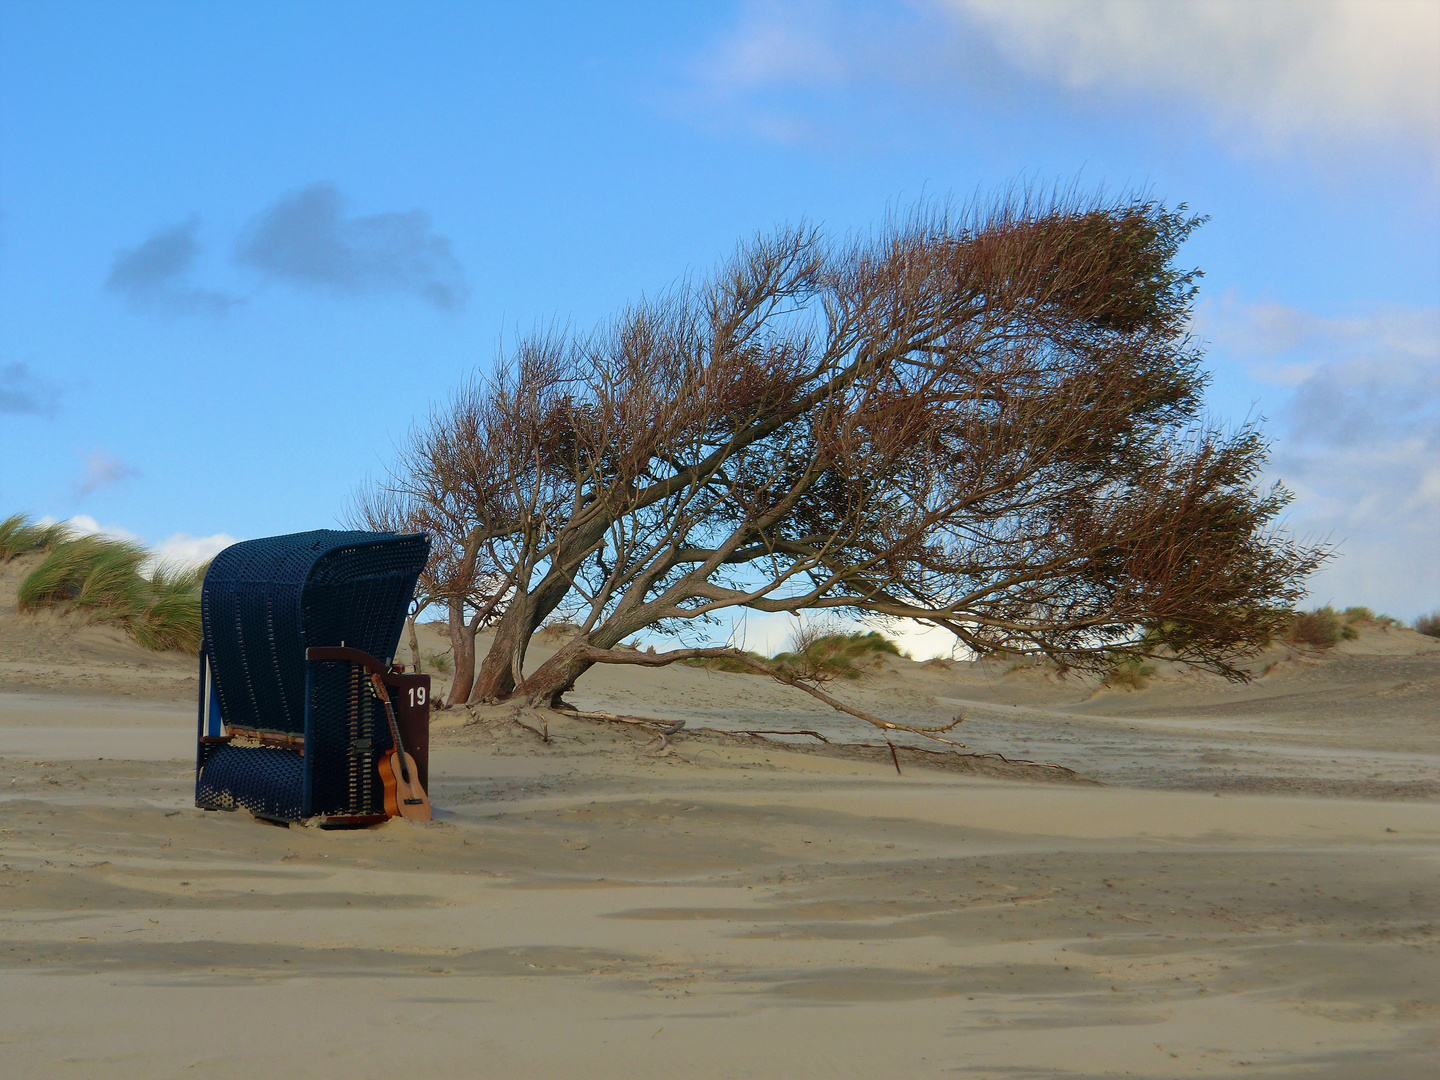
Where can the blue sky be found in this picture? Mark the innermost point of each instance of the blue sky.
(242, 246)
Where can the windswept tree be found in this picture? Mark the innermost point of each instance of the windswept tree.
(989, 422)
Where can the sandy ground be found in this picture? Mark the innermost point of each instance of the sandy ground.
(1251, 888)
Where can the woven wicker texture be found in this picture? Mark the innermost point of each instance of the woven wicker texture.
(264, 602)
(266, 780)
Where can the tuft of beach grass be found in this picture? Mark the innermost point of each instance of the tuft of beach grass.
(20, 536)
(103, 578)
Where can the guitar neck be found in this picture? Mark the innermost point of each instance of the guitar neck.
(378, 685)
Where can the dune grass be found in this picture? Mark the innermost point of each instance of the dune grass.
(826, 655)
(724, 663)
(102, 578)
(1320, 628)
(1325, 627)
(816, 655)
(20, 536)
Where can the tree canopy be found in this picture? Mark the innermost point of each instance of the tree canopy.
(989, 421)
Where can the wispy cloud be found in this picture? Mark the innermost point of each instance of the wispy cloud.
(803, 71)
(1262, 75)
(1359, 437)
(102, 470)
(305, 237)
(22, 392)
(155, 274)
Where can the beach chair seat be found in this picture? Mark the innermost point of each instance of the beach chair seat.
(290, 726)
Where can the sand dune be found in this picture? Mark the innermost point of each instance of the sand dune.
(1241, 880)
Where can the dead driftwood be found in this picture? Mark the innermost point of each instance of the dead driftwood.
(663, 729)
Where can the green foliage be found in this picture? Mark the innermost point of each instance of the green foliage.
(19, 536)
(1129, 672)
(1429, 625)
(438, 661)
(101, 577)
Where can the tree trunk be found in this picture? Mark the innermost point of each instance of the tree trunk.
(548, 683)
(495, 682)
(462, 645)
(497, 678)
(414, 644)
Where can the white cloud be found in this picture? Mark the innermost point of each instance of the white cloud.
(182, 548)
(771, 632)
(1320, 68)
(1359, 439)
(1264, 74)
(1266, 328)
(781, 43)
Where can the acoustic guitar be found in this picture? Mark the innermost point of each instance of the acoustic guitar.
(404, 797)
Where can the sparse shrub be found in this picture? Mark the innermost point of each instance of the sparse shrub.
(19, 536)
(101, 577)
(819, 655)
(1325, 627)
(1363, 616)
(1429, 625)
(1129, 672)
(1320, 628)
(438, 661)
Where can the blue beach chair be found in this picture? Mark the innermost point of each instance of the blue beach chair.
(290, 725)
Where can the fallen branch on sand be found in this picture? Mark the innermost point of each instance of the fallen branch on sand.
(665, 728)
(662, 728)
(760, 733)
(542, 732)
(780, 671)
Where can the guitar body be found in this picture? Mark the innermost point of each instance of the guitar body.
(403, 798)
